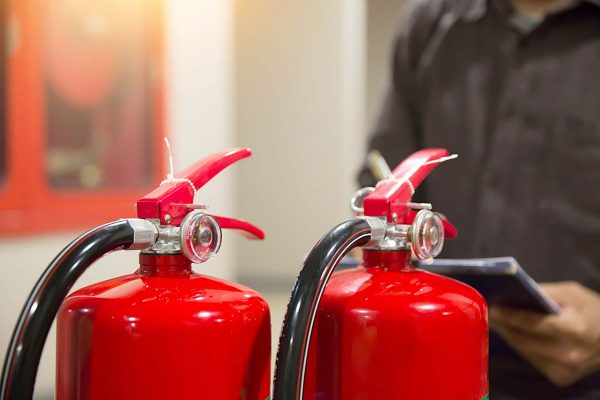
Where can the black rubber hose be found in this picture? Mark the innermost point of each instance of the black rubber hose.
(27, 342)
(294, 341)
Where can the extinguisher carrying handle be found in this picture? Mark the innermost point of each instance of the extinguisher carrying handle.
(170, 202)
(30, 333)
(294, 342)
(393, 194)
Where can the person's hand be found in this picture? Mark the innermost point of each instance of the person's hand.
(564, 347)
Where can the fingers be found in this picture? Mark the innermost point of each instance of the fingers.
(564, 347)
(558, 362)
(534, 346)
(568, 324)
(530, 322)
(568, 293)
(562, 292)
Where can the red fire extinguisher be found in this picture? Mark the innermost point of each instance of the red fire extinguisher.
(163, 332)
(384, 330)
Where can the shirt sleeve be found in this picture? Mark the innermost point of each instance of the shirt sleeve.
(397, 131)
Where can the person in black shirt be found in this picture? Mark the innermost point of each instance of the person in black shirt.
(513, 87)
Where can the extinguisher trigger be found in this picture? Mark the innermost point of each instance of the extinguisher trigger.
(409, 225)
(392, 196)
(172, 200)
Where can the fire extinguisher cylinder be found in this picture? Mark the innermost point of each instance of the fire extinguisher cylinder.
(384, 330)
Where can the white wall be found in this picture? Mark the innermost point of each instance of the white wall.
(383, 17)
(200, 113)
(300, 106)
(200, 107)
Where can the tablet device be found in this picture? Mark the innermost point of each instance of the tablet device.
(501, 281)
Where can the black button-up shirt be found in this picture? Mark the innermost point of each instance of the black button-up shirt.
(520, 103)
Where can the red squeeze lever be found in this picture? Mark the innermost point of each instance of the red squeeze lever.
(392, 197)
(173, 199)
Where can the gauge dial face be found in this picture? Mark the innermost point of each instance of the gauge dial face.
(427, 235)
(200, 236)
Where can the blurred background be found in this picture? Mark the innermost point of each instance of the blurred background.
(89, 89)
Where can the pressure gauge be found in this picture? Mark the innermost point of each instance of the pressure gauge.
(427, 235)
(200, 236)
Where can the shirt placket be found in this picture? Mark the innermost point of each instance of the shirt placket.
(504, 171)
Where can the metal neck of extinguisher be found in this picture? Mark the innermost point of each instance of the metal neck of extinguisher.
(168, 224)
(387, 220)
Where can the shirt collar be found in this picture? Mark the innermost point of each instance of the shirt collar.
(472, 10)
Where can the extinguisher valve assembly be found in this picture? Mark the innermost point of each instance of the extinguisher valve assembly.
(198, 237)
(169, 222)
(408, 225)
(425, 236)
(183, 227)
